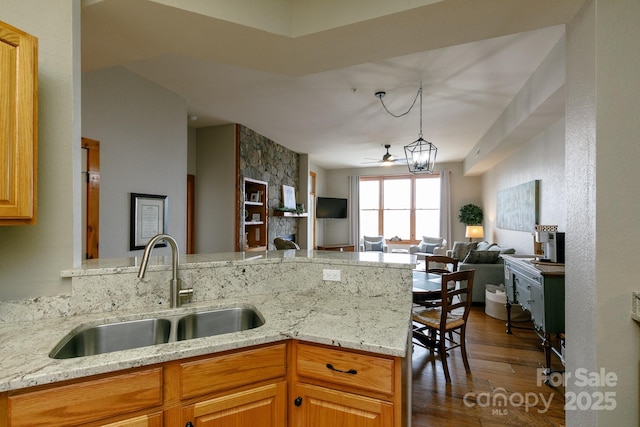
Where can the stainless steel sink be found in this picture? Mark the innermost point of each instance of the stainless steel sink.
(113, 337)
(217, 322)
(126, 335)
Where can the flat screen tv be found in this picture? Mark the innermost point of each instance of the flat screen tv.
(331, 207)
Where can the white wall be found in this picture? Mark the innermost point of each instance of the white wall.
(321, 189)
(542, 159)
(603, 200)
(142, 129)
(31, 257)
(215, 210)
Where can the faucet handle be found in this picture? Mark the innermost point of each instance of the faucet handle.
(182, 293)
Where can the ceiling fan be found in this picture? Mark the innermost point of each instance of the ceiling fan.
(388, 159)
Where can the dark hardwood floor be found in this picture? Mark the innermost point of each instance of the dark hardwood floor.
(503, 368)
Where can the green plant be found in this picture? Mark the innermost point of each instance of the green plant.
(471, 214)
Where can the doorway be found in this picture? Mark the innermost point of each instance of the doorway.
(90, 197)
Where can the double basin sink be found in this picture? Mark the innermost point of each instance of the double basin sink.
(126, 335)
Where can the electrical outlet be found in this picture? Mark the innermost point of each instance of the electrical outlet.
(331, 275)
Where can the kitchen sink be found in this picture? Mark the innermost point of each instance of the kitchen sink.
(113, 337)
(216, 322)
(126, 335)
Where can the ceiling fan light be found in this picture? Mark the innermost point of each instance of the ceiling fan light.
(421, 156)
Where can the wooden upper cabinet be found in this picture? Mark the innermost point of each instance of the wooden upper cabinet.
(18, 126)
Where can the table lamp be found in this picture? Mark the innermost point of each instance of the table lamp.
(474, 232)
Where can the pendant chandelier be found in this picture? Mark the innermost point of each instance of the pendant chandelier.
(421, 154)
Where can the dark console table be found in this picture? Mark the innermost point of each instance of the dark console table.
(539, 288)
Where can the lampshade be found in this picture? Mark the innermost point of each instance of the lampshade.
(474, 232)
(421, 156)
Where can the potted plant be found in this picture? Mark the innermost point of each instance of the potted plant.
(471, 214)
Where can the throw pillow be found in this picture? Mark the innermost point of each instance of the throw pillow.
(428, 247)
(485, 246)
(461, 249)
(481, 257)
(373, 246)
(506, 251)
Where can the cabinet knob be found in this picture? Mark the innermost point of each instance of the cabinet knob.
(188, 424)
(297, 402)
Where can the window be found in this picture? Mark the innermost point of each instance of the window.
(407, 206)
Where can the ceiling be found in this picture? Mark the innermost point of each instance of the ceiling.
(305, 76)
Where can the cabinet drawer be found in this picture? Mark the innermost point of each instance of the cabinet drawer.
(346, 368)
(232, 370)
(152, 420)
(87, 401)
(523, 292)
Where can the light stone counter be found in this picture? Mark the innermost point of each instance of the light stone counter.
(369, 309)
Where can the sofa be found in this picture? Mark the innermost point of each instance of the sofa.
(484, 257)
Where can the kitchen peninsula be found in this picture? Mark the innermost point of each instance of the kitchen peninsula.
(362, 321)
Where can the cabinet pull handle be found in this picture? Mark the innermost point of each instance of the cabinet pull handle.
(298, 401)
(350, 371)
(188, 424)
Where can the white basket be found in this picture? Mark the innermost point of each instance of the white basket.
(495, 307)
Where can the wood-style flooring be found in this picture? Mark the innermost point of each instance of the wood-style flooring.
(503, 368)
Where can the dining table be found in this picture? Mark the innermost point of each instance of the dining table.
(426, 286)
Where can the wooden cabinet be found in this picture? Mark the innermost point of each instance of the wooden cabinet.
(254, 216)
(249, 388)
(91, 400)
(263, 406)
(151, 420)
(18, 126)
(539, 288)
(240, 388)
(342, 388)
(274, 385)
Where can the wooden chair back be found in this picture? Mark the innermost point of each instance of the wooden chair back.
(435, 327)
(442, 264)
(455, 293)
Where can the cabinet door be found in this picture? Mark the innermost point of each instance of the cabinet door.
(261, 406)
(314, 406)
(18, 125)
(153, 420)
(537, 307)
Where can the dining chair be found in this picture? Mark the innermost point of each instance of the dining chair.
(441, 327)
(440, 264)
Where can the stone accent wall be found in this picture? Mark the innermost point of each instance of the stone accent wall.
(263, 159)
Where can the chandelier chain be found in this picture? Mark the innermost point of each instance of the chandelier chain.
(419, 94)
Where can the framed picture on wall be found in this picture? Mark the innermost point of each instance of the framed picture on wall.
(288, 197)
(148, 218)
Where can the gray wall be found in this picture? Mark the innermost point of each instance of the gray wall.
(542, 159)
(142, 129)
(215, 210)
(31, 257)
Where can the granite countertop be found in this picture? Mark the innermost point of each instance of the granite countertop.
(374, 323)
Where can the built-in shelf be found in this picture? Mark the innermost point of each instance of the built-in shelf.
(254, 232)
(290, 214)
